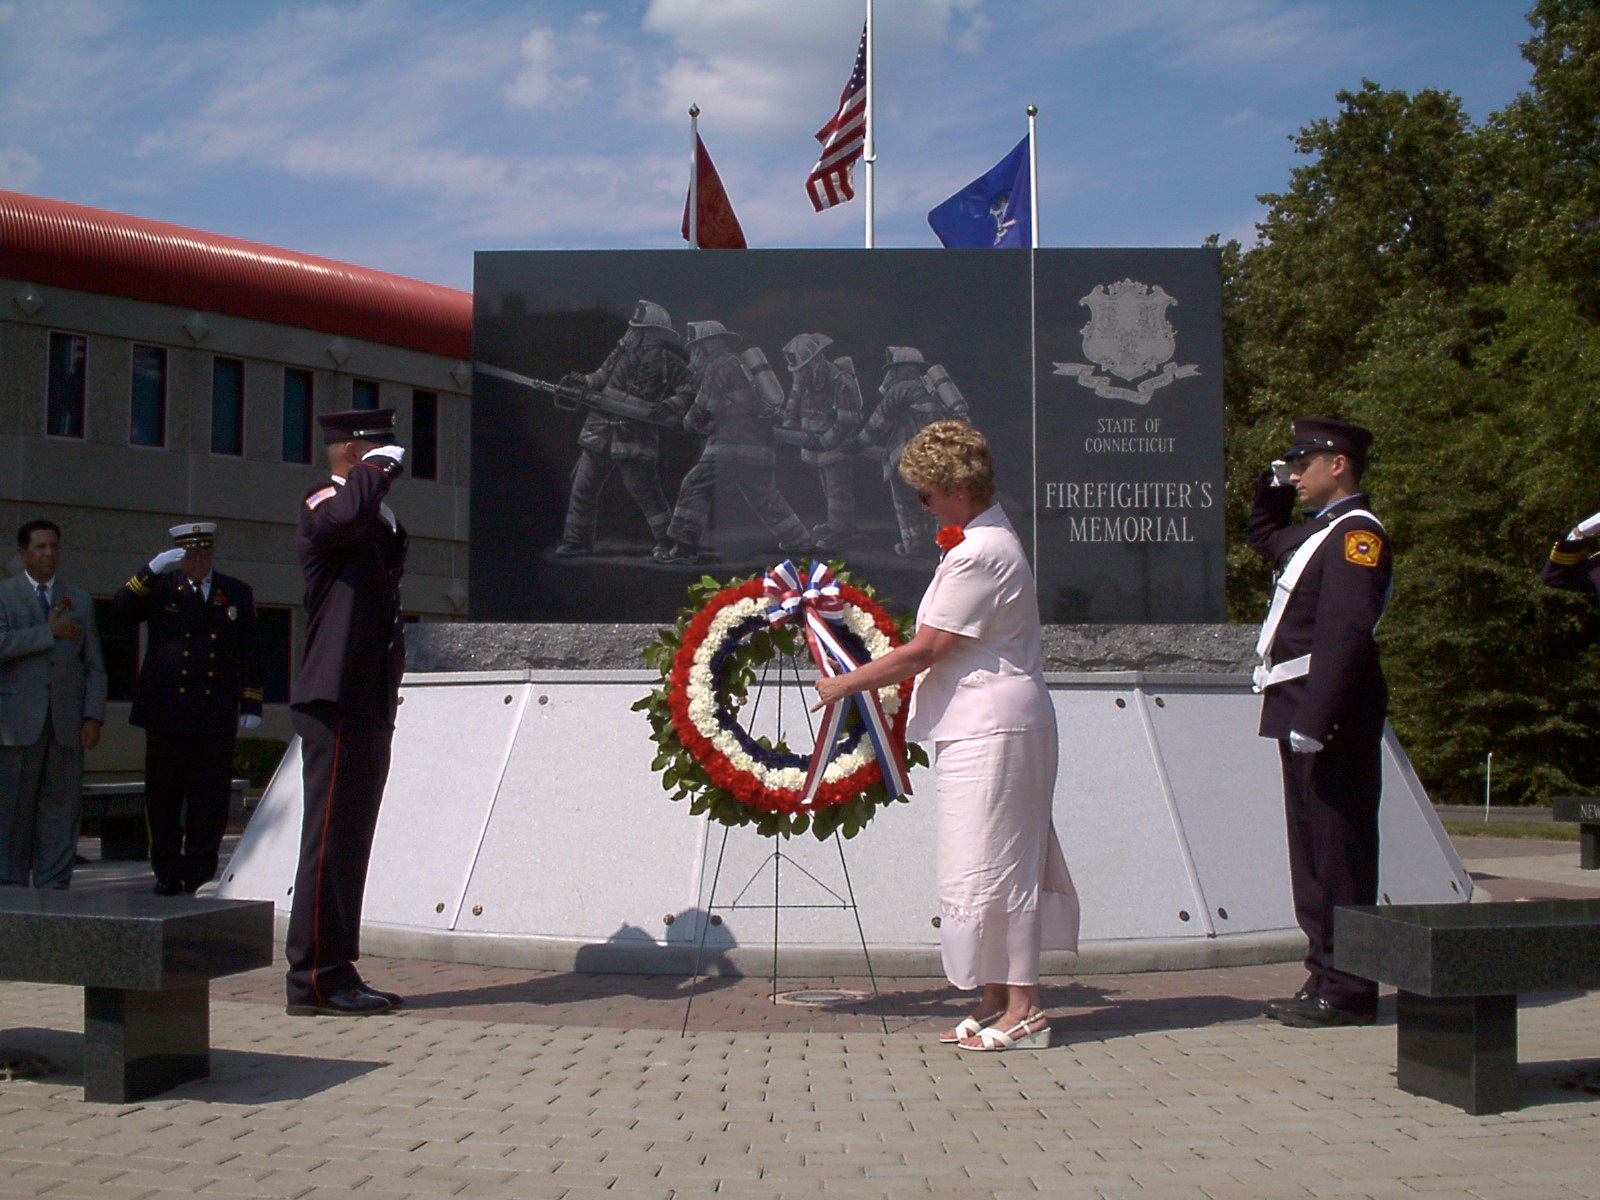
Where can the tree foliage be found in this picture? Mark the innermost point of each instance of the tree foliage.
(1437, 281)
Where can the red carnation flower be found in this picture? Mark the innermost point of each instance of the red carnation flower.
(950, 537)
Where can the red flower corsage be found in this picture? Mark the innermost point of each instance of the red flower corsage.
(62, 604)
(950, 537)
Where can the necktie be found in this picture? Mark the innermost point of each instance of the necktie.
(44, 599)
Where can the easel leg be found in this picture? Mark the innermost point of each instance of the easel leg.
(855, 911)
(705, 926)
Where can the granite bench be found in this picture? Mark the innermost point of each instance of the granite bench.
(119, 808)
(145, 964)
(1584, 811)
(1459, 969)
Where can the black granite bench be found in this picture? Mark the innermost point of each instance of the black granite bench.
(118, 807)
(1459, 969)
(145, 964)
(1584, 811)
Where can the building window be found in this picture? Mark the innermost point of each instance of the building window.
(147, 397)
(424, 448)
(119, 648)
(227, 406)
(69, 357)
(363, 393)
(296, 415)
(274, 628)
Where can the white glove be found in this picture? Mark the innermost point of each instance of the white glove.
(1280, 472)
(167, 560)
(1585, 528)
(249, 720)
(398, 453)
(1301, 744)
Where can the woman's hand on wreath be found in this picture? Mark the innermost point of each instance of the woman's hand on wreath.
(831, 689)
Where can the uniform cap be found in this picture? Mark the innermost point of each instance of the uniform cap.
(194, 535)
(700, 331)
(1311, 434)
(358, 425)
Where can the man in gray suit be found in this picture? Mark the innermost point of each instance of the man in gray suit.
(52, 704)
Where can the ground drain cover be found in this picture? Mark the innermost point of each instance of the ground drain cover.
(820, 997)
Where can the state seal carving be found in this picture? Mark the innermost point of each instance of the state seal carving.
(1129, 336)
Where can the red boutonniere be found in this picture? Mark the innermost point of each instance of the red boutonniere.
(62, 604)
(950, 537)
(217, 597)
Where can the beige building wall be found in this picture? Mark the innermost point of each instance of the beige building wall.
(115, 501)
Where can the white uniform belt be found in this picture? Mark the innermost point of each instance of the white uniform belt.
(1266, 676)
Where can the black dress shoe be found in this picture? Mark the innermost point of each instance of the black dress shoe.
(168, 887)
(1316, 1013)
(393, 999)
(1275, 1008)
(352, 1002)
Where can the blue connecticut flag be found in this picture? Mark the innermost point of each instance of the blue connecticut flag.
(992, 210)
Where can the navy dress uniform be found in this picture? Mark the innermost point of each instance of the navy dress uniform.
(1570, 565)
(352, 551)
(200, 676)
(1324, 700)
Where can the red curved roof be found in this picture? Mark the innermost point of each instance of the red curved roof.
(91, 250)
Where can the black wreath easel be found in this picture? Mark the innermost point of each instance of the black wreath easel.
(775, 859)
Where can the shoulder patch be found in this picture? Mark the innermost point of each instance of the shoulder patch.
(318, 497)
(1362, 548)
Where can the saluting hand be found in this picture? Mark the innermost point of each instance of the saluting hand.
(1585, 528)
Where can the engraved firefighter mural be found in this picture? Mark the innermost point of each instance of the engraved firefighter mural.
(822, 416)
(643, 386)
(913, 394)
(735, 406)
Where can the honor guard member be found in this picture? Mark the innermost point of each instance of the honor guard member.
(648, 365)
(824, 407)
(1571, 565)
(908, 404)
(353, 552)
(199, 684)
(739, 455)
(1324, 698)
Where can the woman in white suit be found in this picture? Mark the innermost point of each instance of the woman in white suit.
(1004, 890)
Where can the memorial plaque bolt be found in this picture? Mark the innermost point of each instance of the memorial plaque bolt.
(438, 908)
(477, 910)
(668, 919)
(1183, 914)
(936, 922)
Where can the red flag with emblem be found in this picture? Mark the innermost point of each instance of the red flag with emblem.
(716, 226)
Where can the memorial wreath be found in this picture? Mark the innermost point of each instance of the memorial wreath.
(714, 665)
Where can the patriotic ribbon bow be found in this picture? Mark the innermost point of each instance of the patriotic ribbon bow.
(815, 601)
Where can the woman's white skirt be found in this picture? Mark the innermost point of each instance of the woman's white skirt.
(1004, 890)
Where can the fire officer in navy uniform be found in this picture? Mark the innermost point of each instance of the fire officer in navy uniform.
(1571, 565)
(1324, 698)
(199, 684)
(352, 551)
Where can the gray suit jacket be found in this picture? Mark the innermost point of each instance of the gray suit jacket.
(40, 673)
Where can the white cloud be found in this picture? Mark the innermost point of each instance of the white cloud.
(538, 82)
(19, 170)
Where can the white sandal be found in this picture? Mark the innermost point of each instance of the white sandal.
(969, 1027)
(1021, 1036)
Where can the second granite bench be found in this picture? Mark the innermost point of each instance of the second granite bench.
(145, 964)
(1459, 969)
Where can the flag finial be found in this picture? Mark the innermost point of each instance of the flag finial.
(694, 110)
(1033, 110)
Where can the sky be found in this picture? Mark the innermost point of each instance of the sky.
(405, 134)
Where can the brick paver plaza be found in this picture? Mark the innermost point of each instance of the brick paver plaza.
(499, 1082)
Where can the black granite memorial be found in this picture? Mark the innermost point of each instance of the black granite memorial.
(145, 964)
(1459, 969)
(1097, 375)
(1583, 811)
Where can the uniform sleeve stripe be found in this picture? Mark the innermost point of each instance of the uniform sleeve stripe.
(137, 587)
(1565, 558)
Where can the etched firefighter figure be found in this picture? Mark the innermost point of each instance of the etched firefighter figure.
(914, 394)
(822, 416)
(738, 400)
(643, 386)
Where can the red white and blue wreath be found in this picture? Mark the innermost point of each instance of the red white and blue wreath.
(729, 643)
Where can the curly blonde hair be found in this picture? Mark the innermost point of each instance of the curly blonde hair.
(946, 456)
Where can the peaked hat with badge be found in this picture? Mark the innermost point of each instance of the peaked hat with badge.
(1311, 434)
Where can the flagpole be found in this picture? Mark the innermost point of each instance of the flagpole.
(1033, 178)
(869, 152)
(694, 177)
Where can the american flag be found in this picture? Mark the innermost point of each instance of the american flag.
(842, 140)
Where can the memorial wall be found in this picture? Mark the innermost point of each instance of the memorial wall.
(641, 418)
